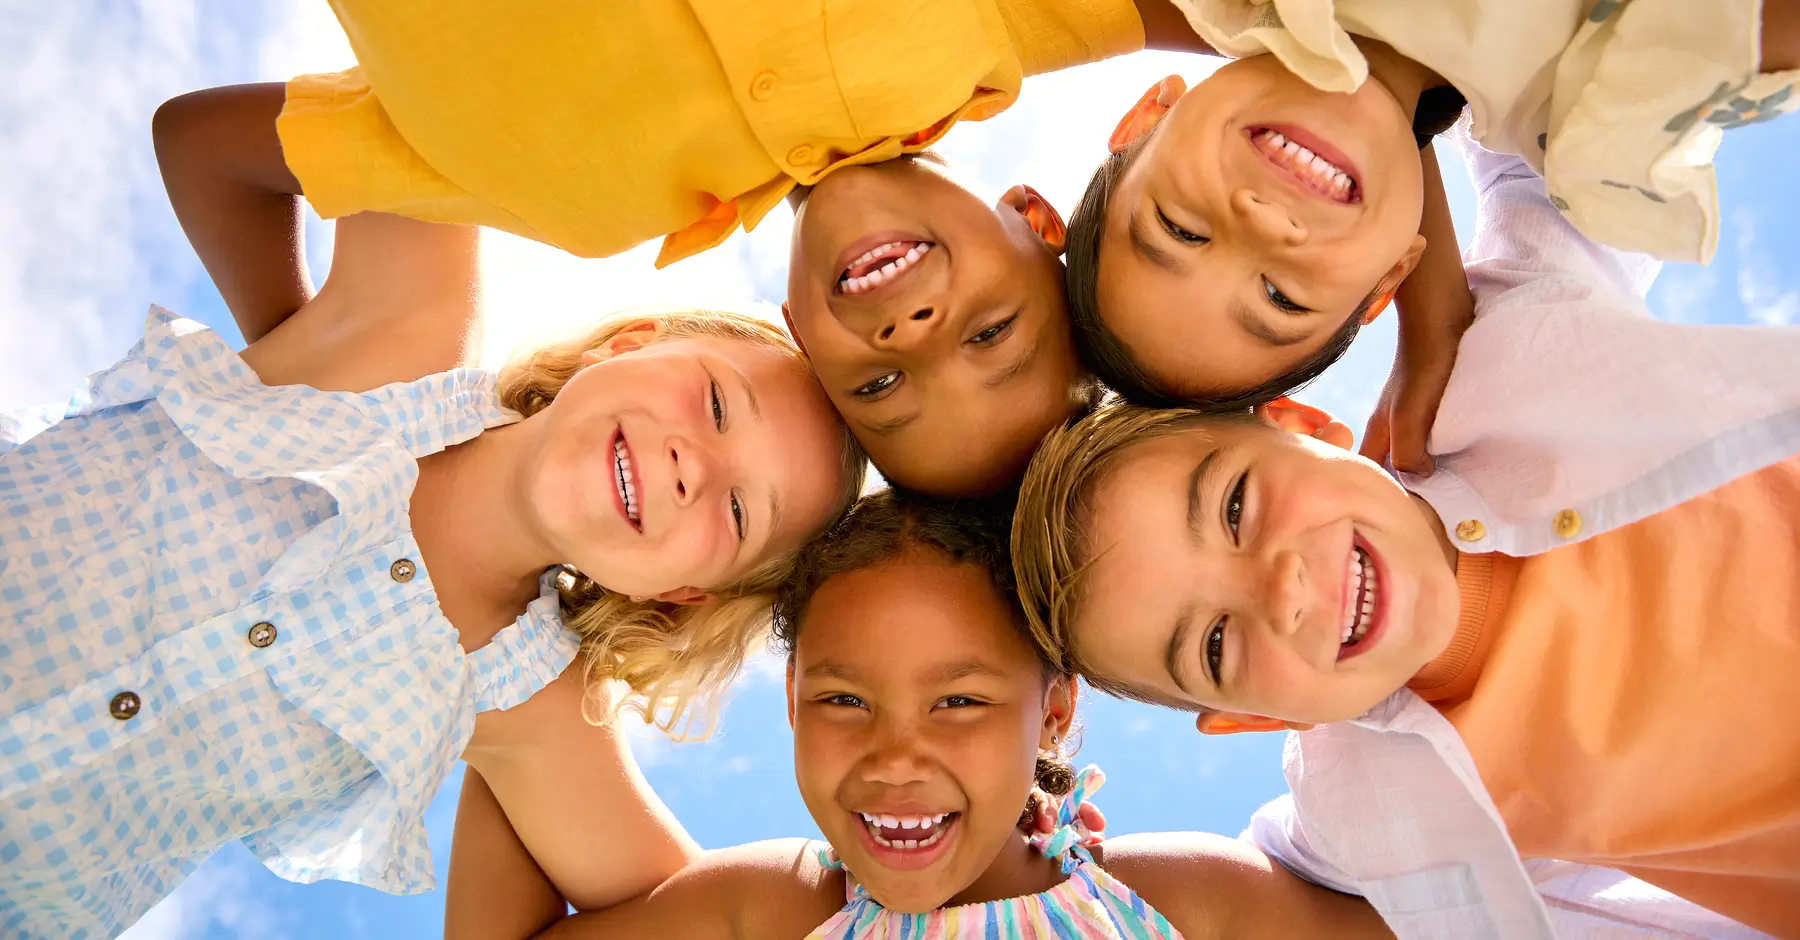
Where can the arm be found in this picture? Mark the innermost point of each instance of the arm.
(495, 888)
(1435, 307)
(1166, 28)
(240, 207)
(576, 798)
(1212, 886)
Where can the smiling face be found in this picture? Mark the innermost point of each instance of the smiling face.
(937, 324)
(918, 710)
(686, 462)
(1256, 219)
(1251, 570)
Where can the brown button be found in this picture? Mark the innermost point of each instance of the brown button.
(403, 570)
(262, 634)
(125, 706)
(1567, 524)
(800, 156)
(762, 85)
(1471, 530)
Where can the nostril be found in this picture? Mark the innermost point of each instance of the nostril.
(886, 332)
(924, 314)
(680, 488)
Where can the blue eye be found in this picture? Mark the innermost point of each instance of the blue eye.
(877, 387)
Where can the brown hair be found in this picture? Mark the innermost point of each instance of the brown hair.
(675, 657)
(1049, 549)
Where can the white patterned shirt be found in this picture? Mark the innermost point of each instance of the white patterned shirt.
(215, 624)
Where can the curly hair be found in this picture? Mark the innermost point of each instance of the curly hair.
(675, 657)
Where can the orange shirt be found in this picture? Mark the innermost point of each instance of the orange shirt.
(1633, 700)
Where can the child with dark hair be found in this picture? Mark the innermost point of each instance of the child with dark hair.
(924, 722)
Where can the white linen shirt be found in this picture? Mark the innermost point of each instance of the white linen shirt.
(215, 624)
(1570, 412)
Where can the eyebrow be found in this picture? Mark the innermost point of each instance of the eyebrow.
(1199, 482)
(1255, 326)
(965, 669)
(831, 669)
(749, 393)
(1015, 370)
(1155, 254)
(1178, 641)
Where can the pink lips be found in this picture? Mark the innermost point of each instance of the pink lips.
(1378, 620)
(907, 859)
(637, 481)
(1277, 144)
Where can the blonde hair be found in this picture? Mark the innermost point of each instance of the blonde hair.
(1049, 547)
(675, 657)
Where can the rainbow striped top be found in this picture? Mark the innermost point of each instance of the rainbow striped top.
(1089, 905)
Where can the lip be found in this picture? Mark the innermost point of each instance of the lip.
(857, 248)
(637, 479)
(905, 859)
(1314, 143)
(1379, 624)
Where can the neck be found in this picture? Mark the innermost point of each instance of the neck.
(1437, 529)
(1018, 871)
(470, 519)
(1405, 78)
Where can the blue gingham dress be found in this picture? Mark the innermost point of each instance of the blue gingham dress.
(215, 625)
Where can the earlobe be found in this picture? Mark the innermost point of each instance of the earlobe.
(634, 335)
(1239, 722)
(1039, 214)
(790, 693)
(1147, 113)
(685, 596)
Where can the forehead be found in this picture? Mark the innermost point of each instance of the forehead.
(917, 608)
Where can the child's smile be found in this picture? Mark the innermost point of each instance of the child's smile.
(881, 266)
(1313, 164)
(908, 841)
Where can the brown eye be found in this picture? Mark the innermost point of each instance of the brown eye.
(878, 387)
(1234, 506)
(1215, 648)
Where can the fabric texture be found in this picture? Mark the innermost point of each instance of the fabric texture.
(1661, 743)
(1618, 105)
(597, 127)
(218, 626)
(1089, 905)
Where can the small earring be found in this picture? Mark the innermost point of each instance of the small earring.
(1053, 740)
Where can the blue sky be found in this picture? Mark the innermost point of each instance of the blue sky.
(87, 241)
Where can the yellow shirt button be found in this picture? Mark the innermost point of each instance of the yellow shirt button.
(402, 570)
(261, 634)
(1471, 530)
(1567, 524)
(124, 706)
(762, 85)
(800, 156)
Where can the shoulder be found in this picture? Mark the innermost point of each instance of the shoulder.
(774, 889)
(1209, 885)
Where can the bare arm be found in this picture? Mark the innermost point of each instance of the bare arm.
(232, 192)
(576, 798)
(1165, 27)
(1780, 35)
(495, 889)
(1212, 886)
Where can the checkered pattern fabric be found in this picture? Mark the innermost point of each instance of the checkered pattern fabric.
(215, 625)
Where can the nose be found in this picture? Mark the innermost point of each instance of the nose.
(897, 761)
(1285, 590)
(908, 329)
(691, 469)
(1267, 220)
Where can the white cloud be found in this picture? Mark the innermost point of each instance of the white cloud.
(1761, 289)
(221, 894)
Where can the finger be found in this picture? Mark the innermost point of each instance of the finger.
(1046, 820)
(1375, 436)
(1091, 817)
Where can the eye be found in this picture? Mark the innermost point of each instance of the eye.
(1178, 233)
(737, 515)
(718, 407)
(844, 700)
(1215, 648)
(1234, 505)
(878, 387)
(959, 701)
(1280, 300)
(994, 333)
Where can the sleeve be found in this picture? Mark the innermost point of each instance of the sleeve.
(1590, 902)
(1048, 35)
(1277, 831)
(349, 157)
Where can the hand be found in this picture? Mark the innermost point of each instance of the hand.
(1400, 427)
(1090, 822)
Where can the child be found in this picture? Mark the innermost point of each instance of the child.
(595, 130)
(270, 597)
(922, 718)
(1230, 252)
(1589, 609)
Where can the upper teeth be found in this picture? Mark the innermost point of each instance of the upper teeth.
(879, 276)
(1359, 607)
(622, 476)
(1323, 173)
(877, 822)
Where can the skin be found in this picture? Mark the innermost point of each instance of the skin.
(1259, 576)
(1228, 240)
(951, 373)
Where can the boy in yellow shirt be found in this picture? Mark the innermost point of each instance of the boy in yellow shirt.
(595, 128)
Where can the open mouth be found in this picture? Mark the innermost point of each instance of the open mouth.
(1362, 604)
(880, 265)
(1331, 177)
(908, 841)
(626, 482)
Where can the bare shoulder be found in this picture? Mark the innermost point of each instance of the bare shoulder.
(1209, 885)
(775, 890)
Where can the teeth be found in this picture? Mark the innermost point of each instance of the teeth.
(1365, 586)
(627, 486)
(877, 822)
(1304, 161)
(883, 274)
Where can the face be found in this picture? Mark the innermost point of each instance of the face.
(1229, 255)
(684, 463)
(916, 701)
(1255, 571)
(937, 324)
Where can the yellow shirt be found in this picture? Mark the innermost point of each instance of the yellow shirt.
(597, 126)
(1633, 701)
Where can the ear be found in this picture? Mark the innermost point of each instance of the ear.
(790, 692)
(634, 335)
(1307, 421)
(1059, 711)
(1144, 115)
(1039, 214)
(1239, 722)
(1390, 282)
(681, 595)
(787, 317)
